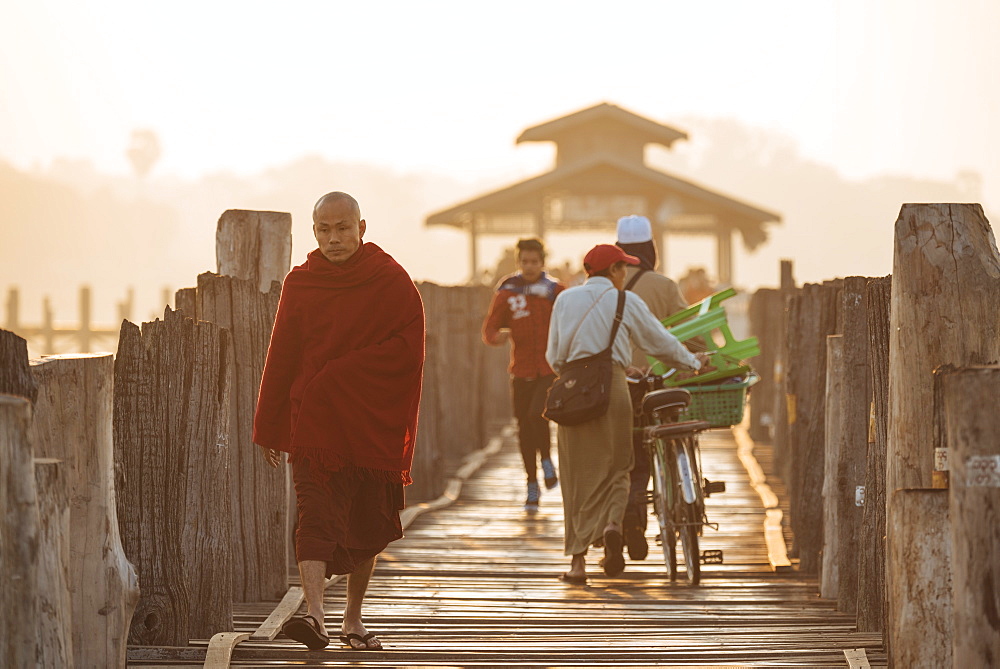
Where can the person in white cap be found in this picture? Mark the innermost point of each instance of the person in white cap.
(663, 297)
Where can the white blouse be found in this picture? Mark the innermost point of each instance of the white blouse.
(575, 332)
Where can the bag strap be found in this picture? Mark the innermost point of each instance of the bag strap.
(635, 278)
(619, 312)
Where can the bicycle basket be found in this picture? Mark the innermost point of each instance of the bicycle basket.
(720, 405)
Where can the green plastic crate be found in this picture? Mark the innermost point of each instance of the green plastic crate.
(720, 405)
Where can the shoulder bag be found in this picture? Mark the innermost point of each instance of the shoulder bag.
(582, 391)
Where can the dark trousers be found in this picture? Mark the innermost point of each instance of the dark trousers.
(635, 511)
(528, 396)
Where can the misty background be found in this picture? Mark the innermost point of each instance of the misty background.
(830, 113)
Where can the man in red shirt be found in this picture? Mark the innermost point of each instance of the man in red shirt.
(520, 312)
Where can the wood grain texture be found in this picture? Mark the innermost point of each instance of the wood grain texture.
(973, 426)
(919, 578)
(829, 582)
(258, 490)
(171, 431)
(73, 423)
(18, 536)
(946, 276)
(254, 245)
(871, 538)
(813, 314)
(15, 376)
(54, 627)
(855, 413)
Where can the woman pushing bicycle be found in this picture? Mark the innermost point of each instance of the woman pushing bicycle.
(595, 456)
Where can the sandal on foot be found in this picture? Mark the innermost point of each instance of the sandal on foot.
(306, 630)
(614, 563)
(573, 580)
(346, 639)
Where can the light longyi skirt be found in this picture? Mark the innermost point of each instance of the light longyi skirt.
(595, 459)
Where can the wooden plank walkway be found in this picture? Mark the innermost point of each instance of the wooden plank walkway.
(475, 584)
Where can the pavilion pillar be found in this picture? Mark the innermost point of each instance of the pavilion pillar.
(724, 254)
(473, 251)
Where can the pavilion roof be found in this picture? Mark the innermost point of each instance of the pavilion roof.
(694, 208)
(580, 123)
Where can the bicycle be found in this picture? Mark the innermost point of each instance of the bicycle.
(679, 491)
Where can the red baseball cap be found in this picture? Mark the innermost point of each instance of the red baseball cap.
(604, 256)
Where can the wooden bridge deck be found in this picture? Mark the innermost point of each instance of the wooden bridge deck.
(475, 584)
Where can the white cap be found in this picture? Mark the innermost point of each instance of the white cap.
(634, 230)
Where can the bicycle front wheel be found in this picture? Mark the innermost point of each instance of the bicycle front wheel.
(662, 495)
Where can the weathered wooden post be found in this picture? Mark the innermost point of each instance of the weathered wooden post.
(254, 245)
(253, 251)
(783, 399)
(18, 536)
(429, 469)
(73, 423)
(259, 491)
(812, 316)
(973, 426)
(171, 432)
(54, 622)
(920, 605)
(15, 374)
(855, 415)
(946, 276)
(871, 541)
(766, 312)
(832, 438)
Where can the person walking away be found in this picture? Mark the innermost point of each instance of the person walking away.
(339, 394)
(520, 312)
(595, 457)
(664, 298)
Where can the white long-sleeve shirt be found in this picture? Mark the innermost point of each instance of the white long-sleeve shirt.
(571, 338)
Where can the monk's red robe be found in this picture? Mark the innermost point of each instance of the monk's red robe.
(341, 383)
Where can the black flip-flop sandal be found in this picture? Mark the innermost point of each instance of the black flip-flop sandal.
(614, 563)
(348, 638)
(306, 630)
(573, 580)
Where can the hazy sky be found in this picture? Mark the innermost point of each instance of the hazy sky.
(867, 86)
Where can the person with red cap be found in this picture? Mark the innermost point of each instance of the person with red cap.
(595, 457)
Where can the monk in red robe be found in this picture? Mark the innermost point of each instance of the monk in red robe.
(339, 394)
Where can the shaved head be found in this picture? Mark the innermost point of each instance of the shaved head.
(337, 196)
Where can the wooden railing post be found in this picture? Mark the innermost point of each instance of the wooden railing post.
(55, 609)
(253, 252)
(833, 442)
(855, 413)
(13, 308)
(254, 245)
(871, 548)
(85, 319)
(15, 373)
(812, 316)
(946, 276)
(973, 424)
(171, 418)
(920, 606)
(73, 423)
(18, 536)
(258, 490)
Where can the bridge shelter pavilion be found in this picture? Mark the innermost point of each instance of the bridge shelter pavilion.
(600, 175)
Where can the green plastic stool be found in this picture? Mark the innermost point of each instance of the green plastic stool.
(701, 320)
